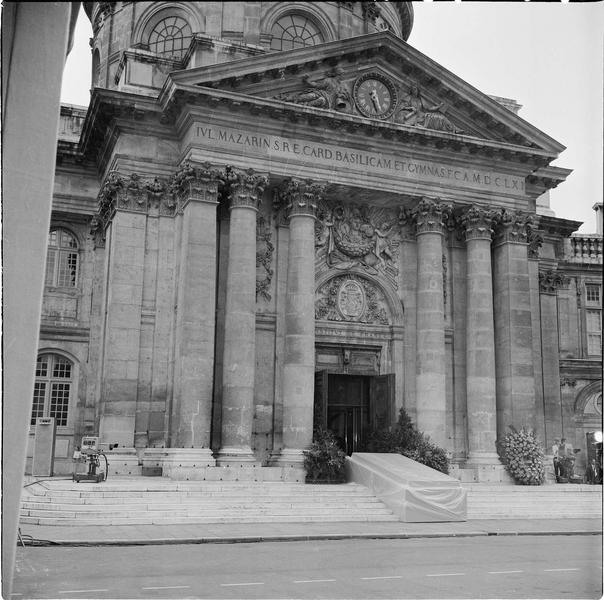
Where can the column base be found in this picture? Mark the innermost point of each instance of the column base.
(231, 456)
(178, 461)
(123, 461)
(288, 457)
(484, 469)
(482, 458)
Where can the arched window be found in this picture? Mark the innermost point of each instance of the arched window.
(294, 31)
(170, 37)
(52, 388)
(61, 259)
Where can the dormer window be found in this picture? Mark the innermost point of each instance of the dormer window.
(170, 37)
(295, 31)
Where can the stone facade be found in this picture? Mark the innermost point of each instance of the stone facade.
(344, 223)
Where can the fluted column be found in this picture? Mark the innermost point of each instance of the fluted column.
(300, 200)
(513, 325)
(480, 338)
(431, 390)
(191, 417)
(245, 194)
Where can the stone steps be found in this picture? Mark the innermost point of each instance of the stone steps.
(486, 501)
(165, 502)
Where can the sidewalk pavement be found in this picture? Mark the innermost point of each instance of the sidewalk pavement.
(210, 533)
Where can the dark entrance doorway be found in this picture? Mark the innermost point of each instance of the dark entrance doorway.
(351, 405)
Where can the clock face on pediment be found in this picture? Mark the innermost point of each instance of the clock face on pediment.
(375, 95)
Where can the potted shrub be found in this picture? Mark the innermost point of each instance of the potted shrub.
(324, 461)
(407, 440)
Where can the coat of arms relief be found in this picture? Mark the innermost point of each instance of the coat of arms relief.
(358, 235)
(362, 237)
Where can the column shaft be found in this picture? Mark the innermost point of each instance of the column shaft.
(480, 342)
(431, 385)
(239, 362)
(299, 346)
(239, 338)
(513, 329)
(195, 326)
(299, 359)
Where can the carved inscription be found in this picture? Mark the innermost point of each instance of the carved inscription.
(274, 147)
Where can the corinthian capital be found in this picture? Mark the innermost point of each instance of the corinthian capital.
(196, 183)
(512, 227)
(300, 196)
(478, 223)
(245, 187)
(550, 281)
(431, 216)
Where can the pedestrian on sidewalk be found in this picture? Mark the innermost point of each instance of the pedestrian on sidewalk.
(556, 453)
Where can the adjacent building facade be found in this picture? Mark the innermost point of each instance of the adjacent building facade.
(278, 213)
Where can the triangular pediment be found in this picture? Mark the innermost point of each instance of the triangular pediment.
(377, 77)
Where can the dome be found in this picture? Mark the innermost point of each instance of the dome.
(181, 35)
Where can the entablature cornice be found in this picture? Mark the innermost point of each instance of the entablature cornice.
(109, 106)
(176, 97)
(557, 227)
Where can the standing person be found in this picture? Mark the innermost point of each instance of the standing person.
(556, 453)
(592, 474)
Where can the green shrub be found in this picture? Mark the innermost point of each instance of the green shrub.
(405, 439)
(324, 460)
(522, 456)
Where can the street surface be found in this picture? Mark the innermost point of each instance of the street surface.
(472, 567)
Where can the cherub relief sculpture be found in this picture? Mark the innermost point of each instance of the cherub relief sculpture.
(414, 112)
(349, 235)
(325, 92)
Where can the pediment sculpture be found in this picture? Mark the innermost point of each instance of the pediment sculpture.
(353, 235)
(416, 112)
(328, 92)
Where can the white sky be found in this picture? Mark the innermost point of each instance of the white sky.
(548, 56)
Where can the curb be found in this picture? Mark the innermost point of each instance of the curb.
(297, 538)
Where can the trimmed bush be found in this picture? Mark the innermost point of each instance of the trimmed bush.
(324, 460)
(405, 439)
(522, 456)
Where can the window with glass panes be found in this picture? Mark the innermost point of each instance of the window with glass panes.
(593, 318)
(52, 388)
(61, 259)
(294, 31)
(171, 37)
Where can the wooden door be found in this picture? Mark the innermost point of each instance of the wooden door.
(381, 401)
(320, 408)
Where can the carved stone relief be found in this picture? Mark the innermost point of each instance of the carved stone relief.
(328, 92)
(333, 91)
(414, 111)
(353, 235)
(264, 257)
(351, 298)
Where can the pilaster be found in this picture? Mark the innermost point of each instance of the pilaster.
(122, 201)
(549, 283)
